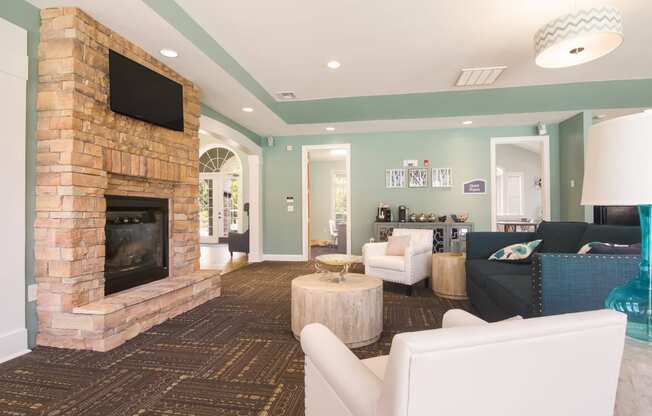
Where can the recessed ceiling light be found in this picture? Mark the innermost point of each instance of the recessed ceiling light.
(247, 109)
(467, 122)
(202, 131)
(169, 53)
(334, 64)
(330, 128)
(600, 116)
(648, 111)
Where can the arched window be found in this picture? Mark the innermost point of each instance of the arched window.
(214, 159)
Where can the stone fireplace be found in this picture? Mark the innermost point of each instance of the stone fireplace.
(117, 242)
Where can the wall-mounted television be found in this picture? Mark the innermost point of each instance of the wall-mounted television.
(137, 91)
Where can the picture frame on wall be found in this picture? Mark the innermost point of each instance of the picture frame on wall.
(442, 177)
(417, 178)
(395, 178)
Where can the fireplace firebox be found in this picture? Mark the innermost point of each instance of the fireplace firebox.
(136, 242)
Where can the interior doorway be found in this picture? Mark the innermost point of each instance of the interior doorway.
(220, 185)
(326, 198)
(520, 179)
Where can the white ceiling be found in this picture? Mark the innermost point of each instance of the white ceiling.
(385, 47)
(394, 47)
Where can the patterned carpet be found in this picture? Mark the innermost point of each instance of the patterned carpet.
(234, 355)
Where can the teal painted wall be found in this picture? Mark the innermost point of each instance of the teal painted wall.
(572, 136)
(321, 173)
(23, 14)
(464, 150)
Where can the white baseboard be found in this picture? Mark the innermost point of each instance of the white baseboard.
(13, 344)
(283, 257)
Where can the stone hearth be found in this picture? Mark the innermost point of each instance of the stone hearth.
(85, 152)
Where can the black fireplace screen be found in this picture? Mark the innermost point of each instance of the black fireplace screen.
(136, 242)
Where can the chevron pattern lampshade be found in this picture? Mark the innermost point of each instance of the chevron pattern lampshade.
(579, 37)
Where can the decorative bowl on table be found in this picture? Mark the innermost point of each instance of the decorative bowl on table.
(442, 218)
(422, 218)
(460, 217)
(412, 218)
(432, 218)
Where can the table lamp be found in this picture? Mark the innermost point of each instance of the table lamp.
(618, 171)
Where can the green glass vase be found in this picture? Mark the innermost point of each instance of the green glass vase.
(634, 298)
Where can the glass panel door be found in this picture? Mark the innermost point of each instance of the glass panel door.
(212, 198)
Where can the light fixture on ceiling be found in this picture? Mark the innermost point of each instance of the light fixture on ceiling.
(333, 64)
(467, 122)
(579, 37)
(169, 53)
(338, 152)
(330, 128)
(247, 109)
(202, 131)
(599, 116)
(648, 111)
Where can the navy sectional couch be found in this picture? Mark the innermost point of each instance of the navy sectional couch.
(557, 280)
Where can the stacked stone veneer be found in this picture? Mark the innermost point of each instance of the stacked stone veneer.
(85, 151)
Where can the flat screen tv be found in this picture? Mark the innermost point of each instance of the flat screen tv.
(137, 91)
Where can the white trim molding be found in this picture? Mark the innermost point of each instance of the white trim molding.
(545, 166)
(305, 150)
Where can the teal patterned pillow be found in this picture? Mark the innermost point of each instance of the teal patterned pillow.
(516, 252)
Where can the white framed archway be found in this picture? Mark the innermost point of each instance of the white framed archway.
(250, 155)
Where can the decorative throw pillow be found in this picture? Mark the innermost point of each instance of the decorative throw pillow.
(516, 252)
(596, 247)
(397, 244)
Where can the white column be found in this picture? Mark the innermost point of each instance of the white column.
(255, 212)
(13, 84)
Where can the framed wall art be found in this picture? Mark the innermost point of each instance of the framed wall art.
(417, 178)
(395, 178)
(442, 177)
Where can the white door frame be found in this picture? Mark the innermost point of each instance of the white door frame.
(305, 149)
(545, 166)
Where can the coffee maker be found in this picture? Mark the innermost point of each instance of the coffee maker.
(384, 214)
(403, 213)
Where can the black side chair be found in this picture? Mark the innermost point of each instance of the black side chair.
(239, 242)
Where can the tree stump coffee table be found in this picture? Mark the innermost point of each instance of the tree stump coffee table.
(352, 309)
(449, 275)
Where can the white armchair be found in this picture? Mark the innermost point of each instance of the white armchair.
(408, 269)
(554, 365)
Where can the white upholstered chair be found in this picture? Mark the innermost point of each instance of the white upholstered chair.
(409, 269)
(555, 365)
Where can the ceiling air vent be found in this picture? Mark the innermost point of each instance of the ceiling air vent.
(286, 95)
(475, 77)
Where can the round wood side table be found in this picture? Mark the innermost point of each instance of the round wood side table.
(352, 308)
(448, 276)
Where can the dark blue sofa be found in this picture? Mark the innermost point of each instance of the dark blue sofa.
(557, 280)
